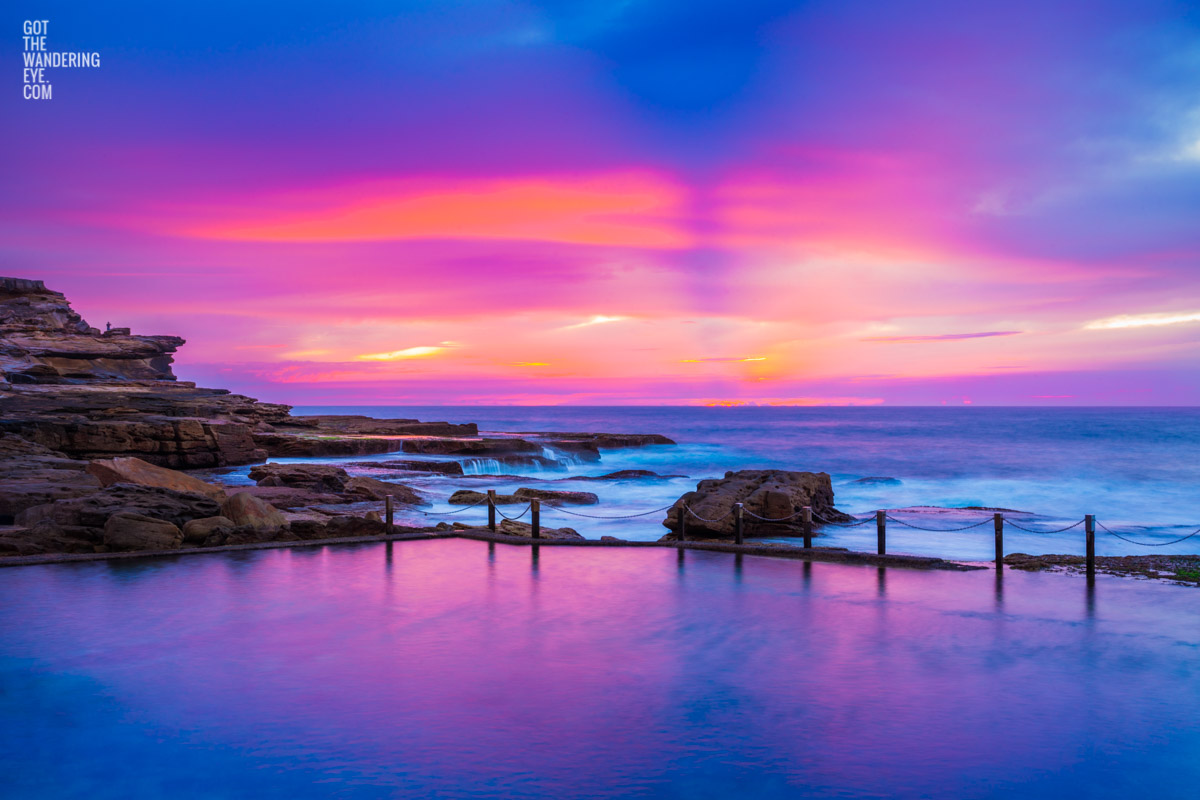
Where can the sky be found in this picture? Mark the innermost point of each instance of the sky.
(823, 203)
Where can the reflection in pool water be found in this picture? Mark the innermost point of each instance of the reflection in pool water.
(459, 669)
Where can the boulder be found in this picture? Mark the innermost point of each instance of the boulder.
(623, 475)
(554, 497)
(518, 528)
(877, 481)
(137, 471)
(197, 531)
(244, 509)
(371, 489)
(773, 494)
(314, 477)
(128, 531)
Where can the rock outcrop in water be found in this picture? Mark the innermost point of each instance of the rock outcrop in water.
(771, 494)
(94, 427)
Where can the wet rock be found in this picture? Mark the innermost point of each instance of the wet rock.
(244, 509)
(289, 445)
(197, 531)
(324, 478)
(773, 494)
(554, 497)
(472, 466)
(355, 424)
(470, 447)
(624, 475)
(128, 531)
(512, 528)
(371, 489)
(608, 441)
(874, 481)
(441, 467)
(137, 471)
(468, 497)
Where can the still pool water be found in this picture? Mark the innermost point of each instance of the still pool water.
(452, 669)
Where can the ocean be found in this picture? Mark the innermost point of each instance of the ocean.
(1136, 469)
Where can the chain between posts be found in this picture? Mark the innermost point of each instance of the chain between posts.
(528, 508)
(818, 518)
(1147, 544)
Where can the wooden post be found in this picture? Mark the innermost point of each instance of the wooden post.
(388, 503)
(738, 520)
(683, 523)
(998, 521)
(881, 531)
(536, 518)
(492, 510)
(1089, 527)
(806, 520)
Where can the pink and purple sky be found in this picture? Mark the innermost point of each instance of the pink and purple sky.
(627, 202)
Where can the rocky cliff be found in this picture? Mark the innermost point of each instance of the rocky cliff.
(78, 391)
(43, 340)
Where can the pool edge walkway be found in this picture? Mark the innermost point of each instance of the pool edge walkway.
(822, 554)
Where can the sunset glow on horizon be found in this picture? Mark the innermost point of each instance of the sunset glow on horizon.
(521, 203)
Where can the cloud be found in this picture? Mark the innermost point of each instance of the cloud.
(398, 355)
(941, 337)
(1143, 320)
(599, 319)
(708, 360)
(620, 209)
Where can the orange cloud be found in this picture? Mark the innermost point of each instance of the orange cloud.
(618, 209)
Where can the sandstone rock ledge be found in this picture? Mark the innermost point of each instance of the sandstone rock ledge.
(773, 494)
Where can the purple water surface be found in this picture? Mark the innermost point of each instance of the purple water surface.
(453, 669)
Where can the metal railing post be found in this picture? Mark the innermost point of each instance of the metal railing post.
(1089, 527)
(998, 521)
